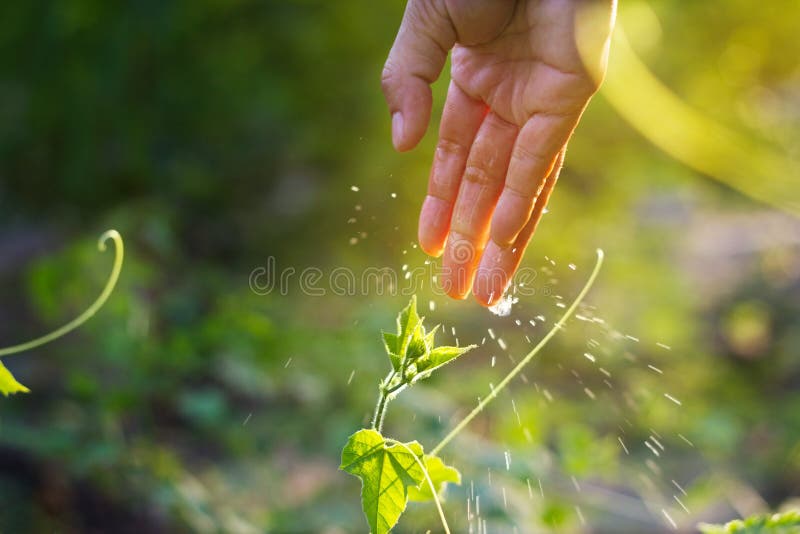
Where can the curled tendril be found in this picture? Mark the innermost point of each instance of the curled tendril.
(516, 370)
(91, 310)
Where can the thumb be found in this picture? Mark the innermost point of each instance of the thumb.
(415, 61)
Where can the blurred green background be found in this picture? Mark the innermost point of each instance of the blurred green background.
(216, 134)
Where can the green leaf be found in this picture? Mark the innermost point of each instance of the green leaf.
(417, 347)
(440, 474)
(408, 325)
(785, 523)
(440, 356)
(9, 384)
(429, 337)
(391, 342)
(386, 472)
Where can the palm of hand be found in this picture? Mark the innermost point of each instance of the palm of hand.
(532, 66)
(519, 85)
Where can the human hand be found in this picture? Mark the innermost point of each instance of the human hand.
(519, 85)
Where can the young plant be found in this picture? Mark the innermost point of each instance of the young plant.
(393, 472)
(9, 384)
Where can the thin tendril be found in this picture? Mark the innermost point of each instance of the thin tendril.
(515, 371)
(91, 310)
(430, 483)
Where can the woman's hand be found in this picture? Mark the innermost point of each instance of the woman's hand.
(520, 80)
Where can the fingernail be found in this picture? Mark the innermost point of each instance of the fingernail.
(397, 128)
(491, 278)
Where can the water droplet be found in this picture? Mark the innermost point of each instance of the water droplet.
(580, 515)
(682, 505)
(679, 487)
(502, 307)
(652, 449)
(671, 522)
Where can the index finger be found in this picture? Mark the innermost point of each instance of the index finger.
(461, 118)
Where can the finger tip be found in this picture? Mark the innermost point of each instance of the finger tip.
(434, 222)
(457, 295)
(432, 245)
(447, 285)
(401, 145)
(455, 285)
(482, 299)
(488, 288)
(492, 276)
(434, 251)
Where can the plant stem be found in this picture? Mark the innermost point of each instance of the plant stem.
(383, 400)
(380, 410)
(515, 371)
(96, 305)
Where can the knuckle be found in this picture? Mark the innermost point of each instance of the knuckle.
(388, 77)
(477, 175)
(521, 154)
(448, 147)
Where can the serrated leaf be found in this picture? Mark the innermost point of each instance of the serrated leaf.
(9, 384)
(391, 342)
(785, 523)
(429, 337)
(417, 347)
(440, 474)
(386, 472)
(408, 324)
(440, 356)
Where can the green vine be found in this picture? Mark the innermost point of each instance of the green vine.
(8, 384)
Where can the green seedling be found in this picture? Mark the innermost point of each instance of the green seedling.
(393, 472)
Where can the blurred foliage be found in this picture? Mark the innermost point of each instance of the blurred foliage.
(214, 135)
(785, 523)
